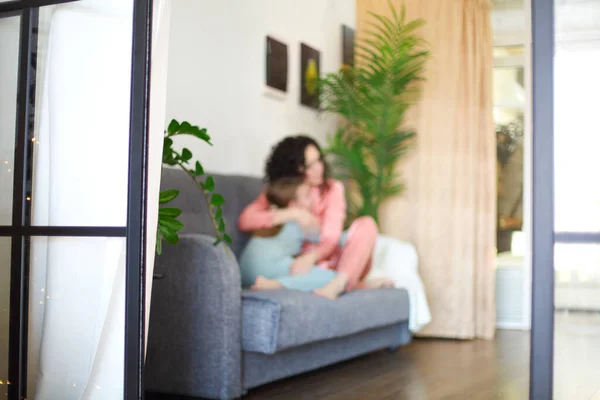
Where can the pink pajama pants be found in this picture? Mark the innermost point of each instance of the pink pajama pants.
(353, 258)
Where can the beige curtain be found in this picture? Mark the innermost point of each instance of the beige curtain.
(449, 208)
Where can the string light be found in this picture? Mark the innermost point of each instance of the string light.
(28, 198)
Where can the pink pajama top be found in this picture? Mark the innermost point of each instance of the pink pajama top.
(329, 207)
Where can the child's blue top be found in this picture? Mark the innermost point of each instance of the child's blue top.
(272, 256)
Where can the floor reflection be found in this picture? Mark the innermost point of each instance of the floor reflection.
(577, 355)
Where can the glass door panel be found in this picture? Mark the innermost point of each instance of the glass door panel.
(576, 200)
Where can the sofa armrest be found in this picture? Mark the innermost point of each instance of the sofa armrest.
(194, 340)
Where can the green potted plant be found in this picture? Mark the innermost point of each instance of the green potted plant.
(373, 97)
(168, 224)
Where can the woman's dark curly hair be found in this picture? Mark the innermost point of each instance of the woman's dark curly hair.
(287, 159)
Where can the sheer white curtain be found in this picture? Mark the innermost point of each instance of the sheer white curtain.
(77, 287)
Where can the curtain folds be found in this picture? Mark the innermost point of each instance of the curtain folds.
(449, 208)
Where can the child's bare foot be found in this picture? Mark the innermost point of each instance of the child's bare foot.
(334, 288)
(376, 284)
(327, 292)
(263, 283)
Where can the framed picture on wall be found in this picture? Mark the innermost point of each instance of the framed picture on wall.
(347, 46)
(276, 64)
(310, 71)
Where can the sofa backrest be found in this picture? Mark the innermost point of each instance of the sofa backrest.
(239, 191)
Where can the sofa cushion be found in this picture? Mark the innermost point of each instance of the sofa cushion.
(281, 319)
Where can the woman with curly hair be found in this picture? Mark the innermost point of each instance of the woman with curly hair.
(347, 253)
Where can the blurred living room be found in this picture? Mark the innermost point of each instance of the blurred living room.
(336, 199)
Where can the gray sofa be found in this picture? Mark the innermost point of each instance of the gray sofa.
(210, 338)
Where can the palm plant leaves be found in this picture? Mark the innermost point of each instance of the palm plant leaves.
(373, 98)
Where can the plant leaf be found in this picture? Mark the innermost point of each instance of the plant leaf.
(185, 127)
(167, 196)
(158, 242)
(217, 200)
(227, 238)
(219, 213)
(171, 224)
(221, 225)
(170, 235)
(169, 212)
(186, 155)
(173, 127)
(168, 154)
(209, 185)
(201, 134)
(199, 171)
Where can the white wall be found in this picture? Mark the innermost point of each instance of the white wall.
(216, 73)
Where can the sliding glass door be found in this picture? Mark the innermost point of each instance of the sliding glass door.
(73, 158)
(566, 201)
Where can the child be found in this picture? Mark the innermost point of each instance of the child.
(266, 260)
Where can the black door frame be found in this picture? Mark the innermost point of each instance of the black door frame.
(21, 230)
(135, 267)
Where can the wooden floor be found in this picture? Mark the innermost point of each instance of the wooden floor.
(426, 369)
(461, 370)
